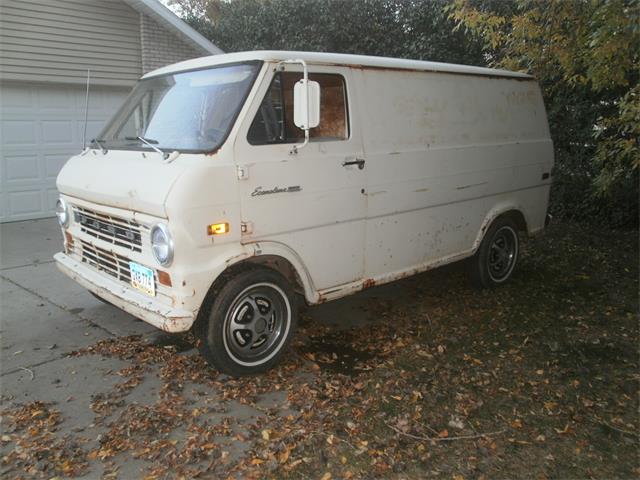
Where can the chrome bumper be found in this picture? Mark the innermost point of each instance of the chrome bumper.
(122, 296)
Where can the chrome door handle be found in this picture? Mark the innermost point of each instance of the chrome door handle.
(357, 161)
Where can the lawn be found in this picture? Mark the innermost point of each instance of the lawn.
(536, 379)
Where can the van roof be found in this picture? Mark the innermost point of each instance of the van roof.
(316, 58)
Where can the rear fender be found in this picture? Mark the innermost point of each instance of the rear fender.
(494, 213)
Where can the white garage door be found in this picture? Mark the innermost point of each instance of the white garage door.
(41, 126)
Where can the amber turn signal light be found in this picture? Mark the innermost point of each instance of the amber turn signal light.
(217, 228)
(164, 278)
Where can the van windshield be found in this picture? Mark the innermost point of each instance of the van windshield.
(188, 111)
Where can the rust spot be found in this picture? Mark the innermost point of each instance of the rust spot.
(430, 70)
(184, 283)
(368, 283)
(212, 152)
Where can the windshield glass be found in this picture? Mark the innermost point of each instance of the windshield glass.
(187, 111)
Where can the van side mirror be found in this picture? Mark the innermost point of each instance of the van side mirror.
(306, 109)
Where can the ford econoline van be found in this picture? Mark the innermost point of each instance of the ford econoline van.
(227, 185)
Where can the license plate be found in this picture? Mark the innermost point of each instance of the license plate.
(142, 278)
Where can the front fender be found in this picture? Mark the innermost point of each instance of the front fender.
(281, 250)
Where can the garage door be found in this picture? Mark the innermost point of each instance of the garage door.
(41, 126)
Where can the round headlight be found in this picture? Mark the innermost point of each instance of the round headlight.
(161, 244)
(62, 212)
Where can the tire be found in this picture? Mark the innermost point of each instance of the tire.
(248, 322)
(496, 258)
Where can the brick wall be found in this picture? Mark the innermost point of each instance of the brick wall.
(161, 47)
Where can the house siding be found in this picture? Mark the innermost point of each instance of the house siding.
(59, 40)
(160, 47)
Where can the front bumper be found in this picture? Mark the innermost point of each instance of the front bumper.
(137, 304)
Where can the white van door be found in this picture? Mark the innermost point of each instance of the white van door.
(311, 202)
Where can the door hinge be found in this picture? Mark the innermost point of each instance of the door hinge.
(246, 227)
(243, 172)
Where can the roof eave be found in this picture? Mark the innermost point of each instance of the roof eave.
(164, 16)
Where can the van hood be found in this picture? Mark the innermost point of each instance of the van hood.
(130, 180)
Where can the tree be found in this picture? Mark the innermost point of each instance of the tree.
(585, 54)
(417, 29)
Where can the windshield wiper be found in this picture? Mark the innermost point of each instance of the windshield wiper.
(99, 143)
(150, 143)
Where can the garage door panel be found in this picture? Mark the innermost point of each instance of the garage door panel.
(58, 98)
(51, 197)
(53, 164)
(19, 132)
(16, 97)
(25, 203)
(41, 127)
(57, 132)
(21, 168)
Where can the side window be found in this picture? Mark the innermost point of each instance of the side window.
(274, 121)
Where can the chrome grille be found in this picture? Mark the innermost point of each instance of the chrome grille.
(115, 230)
(115, 265)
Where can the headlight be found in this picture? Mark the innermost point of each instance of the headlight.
(62, 212)
(162, 244)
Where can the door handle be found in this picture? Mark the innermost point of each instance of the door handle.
(357, 161)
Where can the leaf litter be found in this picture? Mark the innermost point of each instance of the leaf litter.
(536, 379)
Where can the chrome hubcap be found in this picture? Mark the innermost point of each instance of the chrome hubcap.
(502, 254)
(257, 324)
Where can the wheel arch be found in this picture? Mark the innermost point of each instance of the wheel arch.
(272, 255)
(513, 212)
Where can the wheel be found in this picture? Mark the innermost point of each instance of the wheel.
(249, 322)
(497, 256)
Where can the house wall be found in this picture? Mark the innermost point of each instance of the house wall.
(58, 40)
(160, 47)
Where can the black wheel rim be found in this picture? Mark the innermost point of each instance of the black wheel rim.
(503, 253)
(257, 324)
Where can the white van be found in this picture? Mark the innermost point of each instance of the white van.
(226, 185)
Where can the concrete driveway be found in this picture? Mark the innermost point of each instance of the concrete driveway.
(44, 316)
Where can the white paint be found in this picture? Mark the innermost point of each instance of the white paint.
(317, 58)
(446, 150)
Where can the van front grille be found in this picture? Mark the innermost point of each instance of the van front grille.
(114, 230)
(115, 265)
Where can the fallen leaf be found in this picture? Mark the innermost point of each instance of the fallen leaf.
(284, 456)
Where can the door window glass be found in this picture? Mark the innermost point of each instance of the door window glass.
(274, 121)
